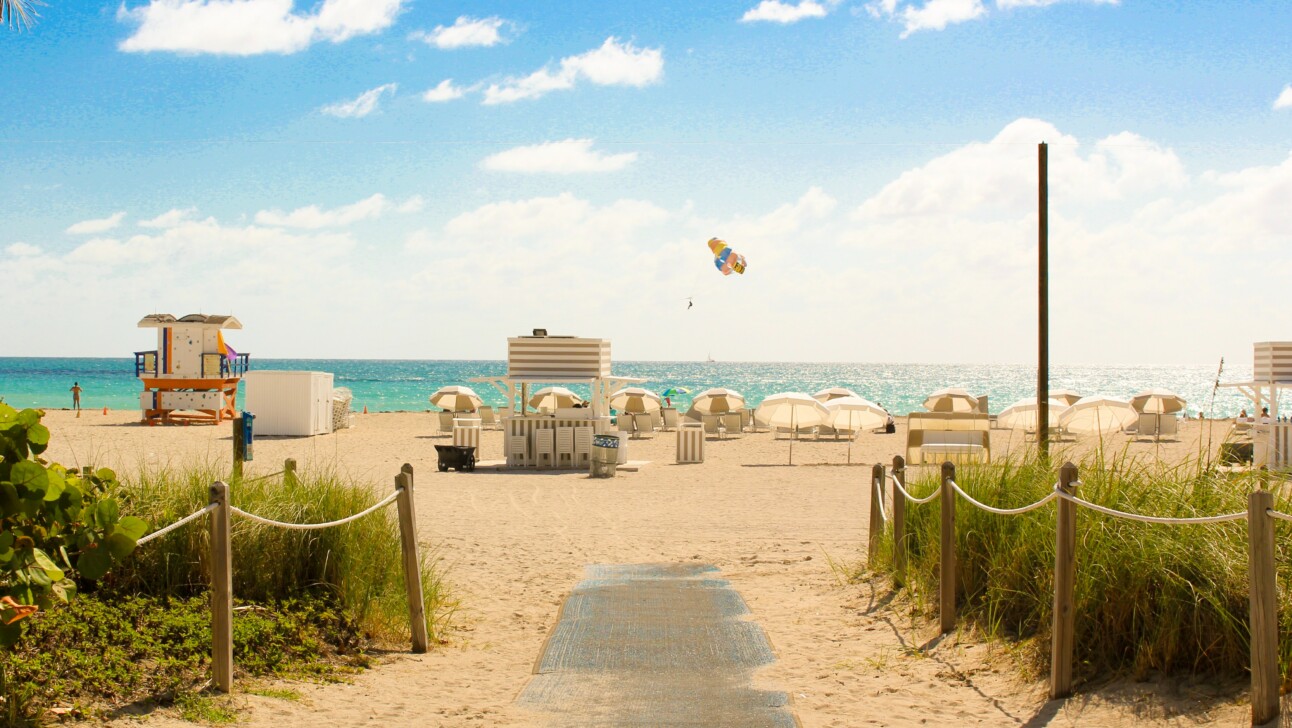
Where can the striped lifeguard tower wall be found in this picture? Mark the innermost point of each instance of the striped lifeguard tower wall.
(187, 378)
(1271, 374)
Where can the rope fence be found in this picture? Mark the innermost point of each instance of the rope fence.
(221, 512)
(1263, 588)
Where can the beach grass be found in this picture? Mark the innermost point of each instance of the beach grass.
(1149, 598)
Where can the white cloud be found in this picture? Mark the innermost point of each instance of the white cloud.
(364, 104)
(776, 11)
(249, 27)
(443, 91)
(464, 33)
(917, 15)
(89, 227)
(171, 218)
(564, 157)
(313, 217)
(1284, 101)
(22, 250)
(612, 64)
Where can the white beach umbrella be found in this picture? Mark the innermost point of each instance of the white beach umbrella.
(635, 400)
(552, 398)
(951, 399)
(1068, 396)
(717, 401)
(792, 410)
(1098, 414)
(456, 399)
(832, 393)
(1022, 414)
(1158, 402)
(854, 414)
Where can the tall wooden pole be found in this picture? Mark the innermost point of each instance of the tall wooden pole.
(411, 560)
(1263, 590)
(1063, 617)
(947, 567)
(221, 590)
(1043, 302)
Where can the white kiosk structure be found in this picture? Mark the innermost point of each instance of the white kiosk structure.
(191, 376)
(541, 359)
(1271, 375)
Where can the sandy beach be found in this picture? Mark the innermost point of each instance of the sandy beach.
(514, 544)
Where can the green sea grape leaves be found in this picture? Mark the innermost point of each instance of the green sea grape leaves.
(132, 527)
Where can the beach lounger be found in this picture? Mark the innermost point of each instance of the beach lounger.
(446, 422)
(731, 423)
(747, 420)
(826, 430)
(669, 418)
(712, 423)
(624, 422)
(487, 418)
(656, 420)
(644, 424)
(940, 436)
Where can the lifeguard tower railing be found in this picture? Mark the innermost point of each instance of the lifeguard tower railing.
(214, 366)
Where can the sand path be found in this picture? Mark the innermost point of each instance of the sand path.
(516, 544)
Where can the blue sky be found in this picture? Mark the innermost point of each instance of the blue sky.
(874, 161)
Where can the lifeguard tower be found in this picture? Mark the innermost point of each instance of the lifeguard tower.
(1271, 375)
(192, 375)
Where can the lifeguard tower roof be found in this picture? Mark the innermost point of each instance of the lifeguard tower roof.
(158, 320)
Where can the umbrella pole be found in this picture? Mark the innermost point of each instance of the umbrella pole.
(793, 434)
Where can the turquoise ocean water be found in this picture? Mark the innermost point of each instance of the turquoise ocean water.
(387, 385)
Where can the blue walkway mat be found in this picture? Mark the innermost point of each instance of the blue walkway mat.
(655, 645)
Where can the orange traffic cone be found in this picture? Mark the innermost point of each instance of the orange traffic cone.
(365, 409)
(105, 411)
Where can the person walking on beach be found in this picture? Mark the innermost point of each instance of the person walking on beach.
(76, 396)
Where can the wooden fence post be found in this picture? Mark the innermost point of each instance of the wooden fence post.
(876, 511)
(221, 590)
(947, 585)
(289, 471)
(899, 522)
(1262, 588)
(239, 446)
(1063, 616)
(412, 564)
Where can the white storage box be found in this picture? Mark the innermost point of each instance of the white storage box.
(289, 403)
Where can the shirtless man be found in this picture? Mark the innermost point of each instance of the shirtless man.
(76, 396)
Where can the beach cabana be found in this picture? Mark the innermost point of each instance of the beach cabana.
(1098, 415)
(456, 399)
(792, 410)
(1271, 377)
(193, 374)
(951, 399)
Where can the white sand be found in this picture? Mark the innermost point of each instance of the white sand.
(516, 543)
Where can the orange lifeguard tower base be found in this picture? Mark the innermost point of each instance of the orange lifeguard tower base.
(187, 378)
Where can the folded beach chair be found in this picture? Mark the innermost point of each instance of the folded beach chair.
(564, 446)
(582, 446)
(446, 422)
(544, 447)
(517, 451)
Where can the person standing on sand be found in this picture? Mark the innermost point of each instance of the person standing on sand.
(76, 396)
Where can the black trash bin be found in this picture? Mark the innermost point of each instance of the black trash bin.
(459, 457)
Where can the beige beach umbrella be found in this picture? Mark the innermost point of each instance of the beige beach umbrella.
(456, 399)
(1067, 396)
(717, 401)
(1098, 414)
(1158, 402)
(635, 400)
(854, 414)
(1022, 414)
(951, 399)
(548, 399)
(832, 393)
(792, 410)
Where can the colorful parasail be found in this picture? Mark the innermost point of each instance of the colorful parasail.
(725, 259)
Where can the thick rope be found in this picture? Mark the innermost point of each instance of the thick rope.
(186, 519)
(879, 493)
(1276, 514)
(1150, 519)
(313, 526)
(898, 485)
(262, 477)
(1001, 511)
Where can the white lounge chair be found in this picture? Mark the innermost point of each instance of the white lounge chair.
(645, 423)
(564, 446)
(487, 418)
(624, 422)
(517, 450)
(731, 423)
(446, 421)
(669, 418)
(582, 446)
(544, 447)
(712, 424)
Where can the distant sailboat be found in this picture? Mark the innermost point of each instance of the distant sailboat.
(710, 358)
